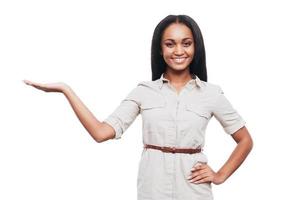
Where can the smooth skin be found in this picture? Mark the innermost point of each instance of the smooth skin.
(99, 131)
(177, 42)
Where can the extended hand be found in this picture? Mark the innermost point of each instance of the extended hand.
(48, 87)
(202, 173)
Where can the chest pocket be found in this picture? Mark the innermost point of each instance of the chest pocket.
(152, 105)
(153, 109)
(153, 102)
(198, 111)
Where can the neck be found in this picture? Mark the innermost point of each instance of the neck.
(178, 77)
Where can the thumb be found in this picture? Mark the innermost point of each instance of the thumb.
(198, 163)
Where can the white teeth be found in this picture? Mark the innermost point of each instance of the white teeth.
(179, 60)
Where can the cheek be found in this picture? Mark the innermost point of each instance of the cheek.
(166, 54)
(166, 51)
(191, 51)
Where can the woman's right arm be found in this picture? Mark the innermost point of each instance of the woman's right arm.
(99, 131)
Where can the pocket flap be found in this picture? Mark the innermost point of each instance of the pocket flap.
(198, 110)
(152, 104)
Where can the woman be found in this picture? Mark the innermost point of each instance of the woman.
(176, 107)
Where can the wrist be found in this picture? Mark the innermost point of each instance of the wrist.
(65, 89)
(220, 178)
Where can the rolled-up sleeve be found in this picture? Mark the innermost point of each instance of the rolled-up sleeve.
(224, 112)
(124, 115)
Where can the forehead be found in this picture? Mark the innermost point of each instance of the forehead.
(177, 31)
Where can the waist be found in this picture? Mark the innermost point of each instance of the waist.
(173, 149)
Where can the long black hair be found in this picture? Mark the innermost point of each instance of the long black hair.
(198, 64)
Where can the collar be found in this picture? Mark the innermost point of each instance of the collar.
(195, 81)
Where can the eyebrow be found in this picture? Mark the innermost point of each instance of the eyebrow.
(174, 40)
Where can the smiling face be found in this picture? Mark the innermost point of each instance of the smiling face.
(177, 46)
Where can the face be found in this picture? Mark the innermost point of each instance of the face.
(177, 46)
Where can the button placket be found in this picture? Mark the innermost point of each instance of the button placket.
(176, 118)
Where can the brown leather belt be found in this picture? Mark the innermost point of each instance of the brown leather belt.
(172, 149)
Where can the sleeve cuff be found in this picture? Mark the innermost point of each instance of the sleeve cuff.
(114, 123)
(235, 127)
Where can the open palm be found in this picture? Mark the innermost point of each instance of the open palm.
(47, 87)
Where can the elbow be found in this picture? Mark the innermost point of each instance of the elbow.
(101, 137)
(103, 133)
(98, 135)
(244, 138)
(251, 144)
(248, 142)
(98, 140)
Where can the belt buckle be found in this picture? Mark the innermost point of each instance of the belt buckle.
(170, 149)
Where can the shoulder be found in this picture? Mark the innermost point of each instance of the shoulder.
(211, 88)
(148, 84)
(143, 89)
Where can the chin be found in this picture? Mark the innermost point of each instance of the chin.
(178, 67)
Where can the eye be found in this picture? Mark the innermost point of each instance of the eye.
(186, 44)
(169, 44)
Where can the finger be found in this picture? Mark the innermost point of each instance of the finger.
(197, 167)
(199, 163)
(40, 88)
(35, 83)
(193, 175)
(36, 86)
(204, 171)
(198, 174)
(199, 177)
(204, 180)
(27, 82)
(203, 176)
(201, 173)
(204, 167)
(32, 84)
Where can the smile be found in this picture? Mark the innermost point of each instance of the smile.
(179, 60)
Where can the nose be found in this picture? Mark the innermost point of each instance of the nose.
(178, 50)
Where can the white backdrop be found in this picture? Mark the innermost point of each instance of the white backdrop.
(102, 50)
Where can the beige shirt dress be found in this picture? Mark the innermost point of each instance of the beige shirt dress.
(173, 120)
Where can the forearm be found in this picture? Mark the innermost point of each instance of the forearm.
(90, 123)
(237, 157)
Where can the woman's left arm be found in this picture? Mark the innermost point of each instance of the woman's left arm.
(234, 125)
(203, 173)
(239, 154)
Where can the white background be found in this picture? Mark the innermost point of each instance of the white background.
(102, 50)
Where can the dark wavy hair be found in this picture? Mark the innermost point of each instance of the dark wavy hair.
(198, 64)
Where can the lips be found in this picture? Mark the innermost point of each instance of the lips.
(179, 60)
